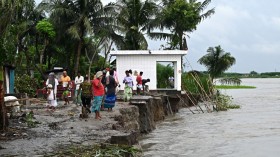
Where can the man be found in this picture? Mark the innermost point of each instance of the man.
(171, 81)
(139, 85)
(78, 80)
(65, 79)
(85, 90)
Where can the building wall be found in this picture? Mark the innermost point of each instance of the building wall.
(147, 64)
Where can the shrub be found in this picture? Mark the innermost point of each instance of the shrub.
(197, 83)
(25, 84)
(224, 102)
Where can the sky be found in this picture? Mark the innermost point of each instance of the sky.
(248, 29)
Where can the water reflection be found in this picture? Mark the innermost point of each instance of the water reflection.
(252, 131)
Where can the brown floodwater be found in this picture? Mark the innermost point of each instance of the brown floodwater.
(251, 131)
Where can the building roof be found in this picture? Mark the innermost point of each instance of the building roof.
(148, 52)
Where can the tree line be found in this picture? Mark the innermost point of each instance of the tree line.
(79, 34)
(74, 33)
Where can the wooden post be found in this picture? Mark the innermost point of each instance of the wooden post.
(3, 113)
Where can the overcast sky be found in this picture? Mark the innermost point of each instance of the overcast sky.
(248, 29)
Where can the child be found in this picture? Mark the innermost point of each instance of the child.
(51, 98)
(67, 93)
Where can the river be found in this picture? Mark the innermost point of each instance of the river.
(251, 131)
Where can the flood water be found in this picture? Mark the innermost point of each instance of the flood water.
(251, 131)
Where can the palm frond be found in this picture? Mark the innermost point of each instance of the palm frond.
(160, 35)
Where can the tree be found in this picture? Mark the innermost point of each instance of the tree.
(179, 17)
(253, 73)
(216, 61)
(92, 48)
(3, 113)
(133, 18)
(163, 73)
(45, 28)
(76, 17)
(8, 10)
(14, 16)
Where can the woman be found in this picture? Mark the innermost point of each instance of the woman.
(128, 81)
(98, 93)
(111, 85)
(54, 82)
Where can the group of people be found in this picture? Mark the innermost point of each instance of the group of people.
(128, 81)
(94, 95)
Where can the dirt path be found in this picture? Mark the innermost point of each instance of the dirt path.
(57, 129)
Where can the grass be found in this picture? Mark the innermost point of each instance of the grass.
(234, 87)
(224, 102)
(98, 150)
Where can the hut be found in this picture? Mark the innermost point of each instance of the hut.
(146, 61)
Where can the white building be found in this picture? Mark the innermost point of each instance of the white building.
(146, 61)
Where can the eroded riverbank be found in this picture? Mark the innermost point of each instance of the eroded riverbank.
(63, 128)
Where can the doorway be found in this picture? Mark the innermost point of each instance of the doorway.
(166, 77)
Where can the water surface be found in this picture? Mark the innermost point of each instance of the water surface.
(252, 131)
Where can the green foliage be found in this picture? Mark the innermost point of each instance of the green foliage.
(134, 17)
(8, 47)
(46, 28)
(163, 73)
(216, 61)
(29, 119)
(253, 73)
(230, 81)
(1, 73)
(250, 75)
(25, 84)
(104, 150)
(197, 83)
(224, 102)
(186, 17)
(179, 17)
(270, 74)
(233, 87)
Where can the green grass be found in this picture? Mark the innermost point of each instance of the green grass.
(224, 102)
(100, 150)
(234, 87)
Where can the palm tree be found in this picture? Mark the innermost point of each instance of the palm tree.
(7, 12)
(76, 16)
(133, 18)
(179, 17)
(216, 61)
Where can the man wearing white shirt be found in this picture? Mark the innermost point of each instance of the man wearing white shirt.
(78, 80)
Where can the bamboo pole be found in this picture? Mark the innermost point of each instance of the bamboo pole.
(169, 106)
(185, 103)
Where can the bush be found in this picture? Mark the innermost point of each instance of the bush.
(197, 83)
(26, 84)
(224, 102)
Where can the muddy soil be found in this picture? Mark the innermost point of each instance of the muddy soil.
(57, 130)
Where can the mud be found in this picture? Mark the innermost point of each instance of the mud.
(57, 130)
